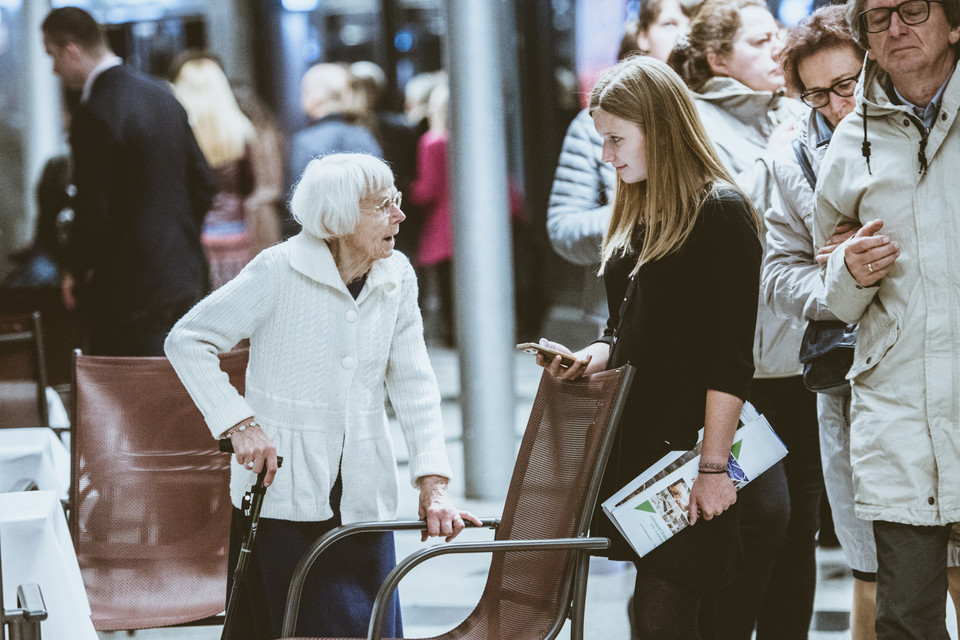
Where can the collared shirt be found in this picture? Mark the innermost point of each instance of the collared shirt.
(107, 63)
(824, 130)
(927, 114)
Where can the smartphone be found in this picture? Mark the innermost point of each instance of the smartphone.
(532, 347)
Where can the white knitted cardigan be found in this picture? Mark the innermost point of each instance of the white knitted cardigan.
(321, 366)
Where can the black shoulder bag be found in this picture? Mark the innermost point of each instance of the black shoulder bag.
(826, 350)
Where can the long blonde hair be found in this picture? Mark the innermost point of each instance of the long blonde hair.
(221, 129)
(682, 167)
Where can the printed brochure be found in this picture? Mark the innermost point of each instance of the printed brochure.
(654, 506)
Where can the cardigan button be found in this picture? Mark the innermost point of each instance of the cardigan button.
(351, 315)
(348, 363)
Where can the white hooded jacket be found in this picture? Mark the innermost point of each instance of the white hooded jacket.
(905, 431)
(739, 122)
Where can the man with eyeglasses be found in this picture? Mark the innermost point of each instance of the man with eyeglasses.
(892, 168)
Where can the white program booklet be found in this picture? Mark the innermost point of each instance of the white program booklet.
(654, 505)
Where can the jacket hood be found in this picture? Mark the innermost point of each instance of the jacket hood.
(873, 102)
(871, 93)
(742, 102)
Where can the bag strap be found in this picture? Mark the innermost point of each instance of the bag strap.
(805, 167)
(627, 297)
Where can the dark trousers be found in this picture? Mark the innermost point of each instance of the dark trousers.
(663, 609)
(911, 581)
(779, 518)
(139, 333)
(340, 589)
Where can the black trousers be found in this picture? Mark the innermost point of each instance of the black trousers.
(779, 519)
(911, 581)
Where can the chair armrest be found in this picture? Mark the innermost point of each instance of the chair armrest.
(299, 577)
(24, 622)
(30, 601)
(406, 565)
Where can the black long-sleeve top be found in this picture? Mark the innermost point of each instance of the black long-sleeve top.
(688, 327)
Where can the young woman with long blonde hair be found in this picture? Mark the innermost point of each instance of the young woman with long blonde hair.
(225, 136)
(681, 265)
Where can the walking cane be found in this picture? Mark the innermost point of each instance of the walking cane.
(251, 505)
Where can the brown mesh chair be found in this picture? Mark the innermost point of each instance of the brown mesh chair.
(150, 504)
(23, 374)
(538, 573)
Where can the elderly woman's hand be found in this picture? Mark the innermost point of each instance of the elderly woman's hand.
(254, 449)
(437, 509)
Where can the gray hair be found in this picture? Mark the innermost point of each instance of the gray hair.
(326, 199)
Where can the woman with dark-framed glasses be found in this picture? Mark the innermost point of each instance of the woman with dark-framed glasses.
(334, 329)
(821, 62)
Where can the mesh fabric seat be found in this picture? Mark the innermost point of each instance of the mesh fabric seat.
(23, 376)
(541, 550)
(150, 504)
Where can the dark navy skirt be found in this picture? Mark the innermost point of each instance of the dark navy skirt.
(340, 589)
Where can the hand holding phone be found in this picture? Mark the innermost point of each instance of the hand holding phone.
(532, 347)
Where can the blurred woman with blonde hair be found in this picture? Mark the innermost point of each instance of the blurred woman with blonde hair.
(225, 136)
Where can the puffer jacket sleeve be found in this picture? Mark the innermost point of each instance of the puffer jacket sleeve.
(791, 281)
(413, 389)
(582, 195)
(214, 325)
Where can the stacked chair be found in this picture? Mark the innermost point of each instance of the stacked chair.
(149, 503)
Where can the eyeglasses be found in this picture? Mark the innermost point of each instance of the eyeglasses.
(844, 88)
(911, 12)
(384, 207)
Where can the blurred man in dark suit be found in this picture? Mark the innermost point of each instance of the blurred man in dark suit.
(142, 190)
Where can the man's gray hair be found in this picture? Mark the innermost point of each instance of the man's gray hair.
(326, 200)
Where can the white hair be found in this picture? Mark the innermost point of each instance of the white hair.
(326, 199)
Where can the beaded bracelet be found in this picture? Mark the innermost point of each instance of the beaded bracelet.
(238, 429)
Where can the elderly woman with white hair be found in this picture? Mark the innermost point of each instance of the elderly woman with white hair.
(334, 328)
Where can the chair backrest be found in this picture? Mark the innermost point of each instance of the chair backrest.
(61, 327)
(552, 494)
(23, 375)
(150, 504)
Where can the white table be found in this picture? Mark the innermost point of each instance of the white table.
(33, 454)
(36, 547)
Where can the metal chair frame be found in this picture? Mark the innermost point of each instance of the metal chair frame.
(24, 621)
(573, 588)
(34, 337)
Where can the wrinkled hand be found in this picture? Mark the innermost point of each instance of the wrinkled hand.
(437, 509)
(869, 256)
(711, 495)
(253, 446)
(843, 232)
(574, 371)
